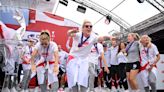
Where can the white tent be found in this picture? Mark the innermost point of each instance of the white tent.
(130, 12)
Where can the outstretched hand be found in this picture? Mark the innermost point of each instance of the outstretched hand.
(107, 70)
(56, 70)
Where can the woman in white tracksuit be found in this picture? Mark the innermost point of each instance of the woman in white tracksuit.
(47, 66)
(26, 65)
(77, 64)
(149, 58)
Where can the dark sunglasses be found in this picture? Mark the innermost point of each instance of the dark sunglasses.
(45, 33)
(30, 41)
(44, 44)
(88, 26)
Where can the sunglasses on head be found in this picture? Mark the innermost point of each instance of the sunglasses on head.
(45, 33)
(88, 26)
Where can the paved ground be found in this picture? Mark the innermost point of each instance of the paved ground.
(67, 90)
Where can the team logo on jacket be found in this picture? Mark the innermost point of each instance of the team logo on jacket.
(85, 44)
(134, 66)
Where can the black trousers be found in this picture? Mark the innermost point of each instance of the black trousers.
(107, 78)
(114, 75)
(122, 75)
(19, 72)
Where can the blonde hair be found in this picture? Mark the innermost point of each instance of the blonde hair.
(85, 21)
(147, 37)
(135, 36)
(45, 34)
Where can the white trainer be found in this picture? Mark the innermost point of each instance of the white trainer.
(36, 89)
(13, 89)
(6, 89)
(22, 91)
(126, 90)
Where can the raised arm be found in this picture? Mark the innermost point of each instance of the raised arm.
(56, 69)
(20, 19)
(104, 60)
(33, 66)
(104, 38)
(68, 44)
(157, 59)
(34, 53)
(56, 55)
(72, 32)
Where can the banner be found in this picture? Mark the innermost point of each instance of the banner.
(36, 22)
(160, 78)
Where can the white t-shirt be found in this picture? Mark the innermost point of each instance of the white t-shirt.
(62, 58)
(148, 54)
(107, 58)
(28, 51)
(95, 54)
(47, 53)
(121, 58)
(27, 55)
(113, 59)
(84, 50)
(16, 54)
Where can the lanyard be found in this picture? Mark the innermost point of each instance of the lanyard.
(128, 47)
(45, 59)
(147, 52)
(82, 42)
(95, 45)
(30, 50)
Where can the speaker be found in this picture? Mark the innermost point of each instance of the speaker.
(64, 2)
(81, 9)
(140, 1)
(108, 18)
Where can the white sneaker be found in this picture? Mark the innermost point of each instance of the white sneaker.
(26, 90)
(31, 89)
(137, 90)
(105, 85)
(6, 89)
(121, 90)
(61, 90)
(36, 89)
(91, 91)
(22, 91)
(126, 90)
(48, 87)
(13, 89)
(18, 88)
(100, 89)
(108, 90)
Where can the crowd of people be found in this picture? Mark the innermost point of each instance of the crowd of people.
(89, 63)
